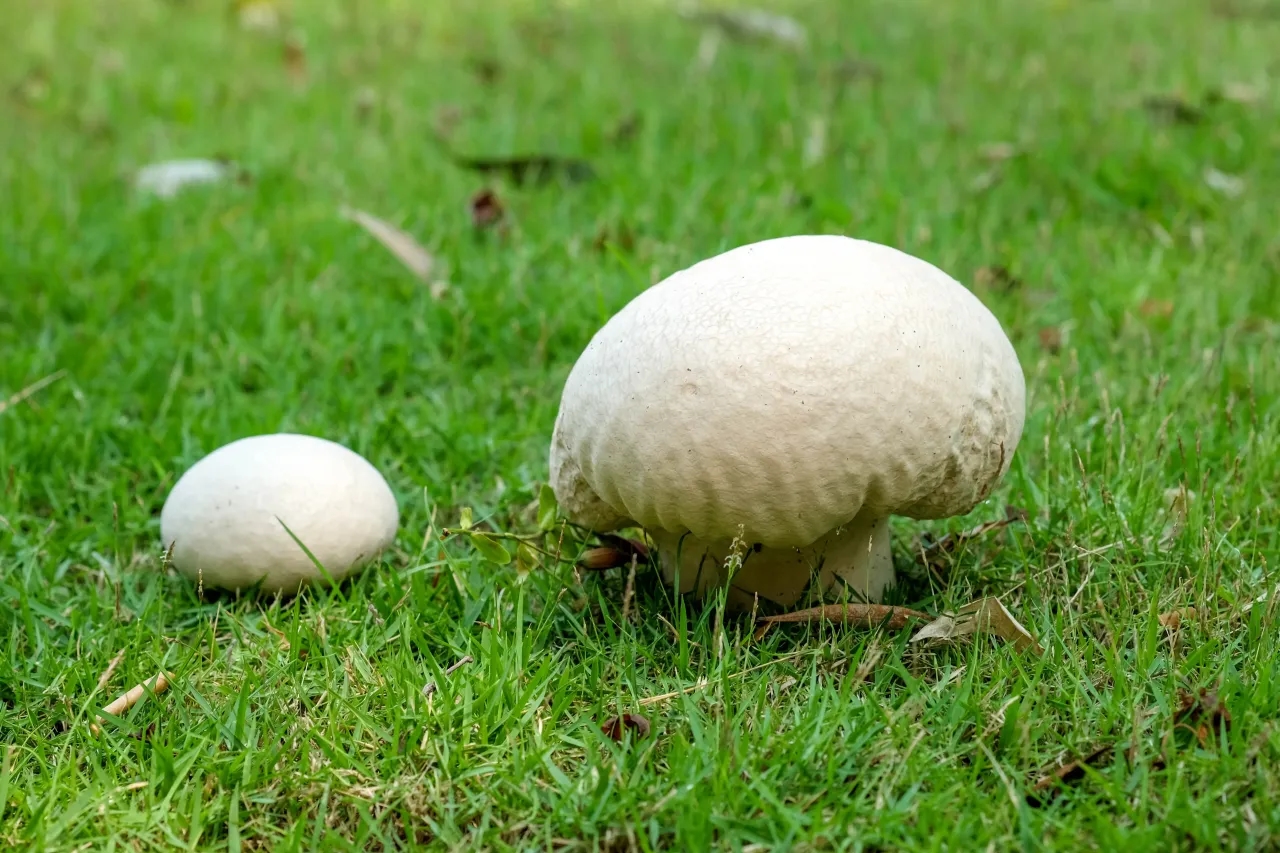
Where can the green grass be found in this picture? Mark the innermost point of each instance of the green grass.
(253, 307)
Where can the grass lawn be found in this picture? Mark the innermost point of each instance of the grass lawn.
(1103, 175)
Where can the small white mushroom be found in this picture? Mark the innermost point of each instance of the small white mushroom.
(225, 519)
(779, 402)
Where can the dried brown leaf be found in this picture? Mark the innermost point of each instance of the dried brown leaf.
(1156, 308)
(407, 250)
(615, 728)
(1174, 618)
(860, 615)
(1050, 338)
(294, 54)
(1051, 779)
(986, 615)
(616, 552)
(1202, 713)
(486, 209)
(603, 558)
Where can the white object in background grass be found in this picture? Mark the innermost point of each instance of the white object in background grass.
(1229, 185)
(169, 178)
(769, 408)
(751, 24)
(226, 518)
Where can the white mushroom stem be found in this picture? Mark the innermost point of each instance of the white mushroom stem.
(855, 556)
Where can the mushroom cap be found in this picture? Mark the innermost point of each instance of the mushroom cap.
(780, 389)
(223, 517)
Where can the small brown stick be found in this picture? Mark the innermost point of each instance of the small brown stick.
(630, 590)
(862, 615)
(126, 701)
(430, 686)
(33, 388)
(110, 670)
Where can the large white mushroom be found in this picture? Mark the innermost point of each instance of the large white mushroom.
(775, 404)
(225, 519)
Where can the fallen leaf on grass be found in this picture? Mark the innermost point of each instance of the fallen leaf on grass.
(1156, 308)
(534, 168)
(1174, 618)
(1051, 780)
(168, 178)
(1172, 109)
(753, 24)
(407, 250)
(294, 54)
(1202, 713)
(986, 615)
(1050, 338)
(486, 209)
(861, 615)
(615, 728)
(616, 552)
(1218, 181)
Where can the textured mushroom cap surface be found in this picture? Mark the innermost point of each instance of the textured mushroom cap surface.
(221, 517)
(786, 386)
